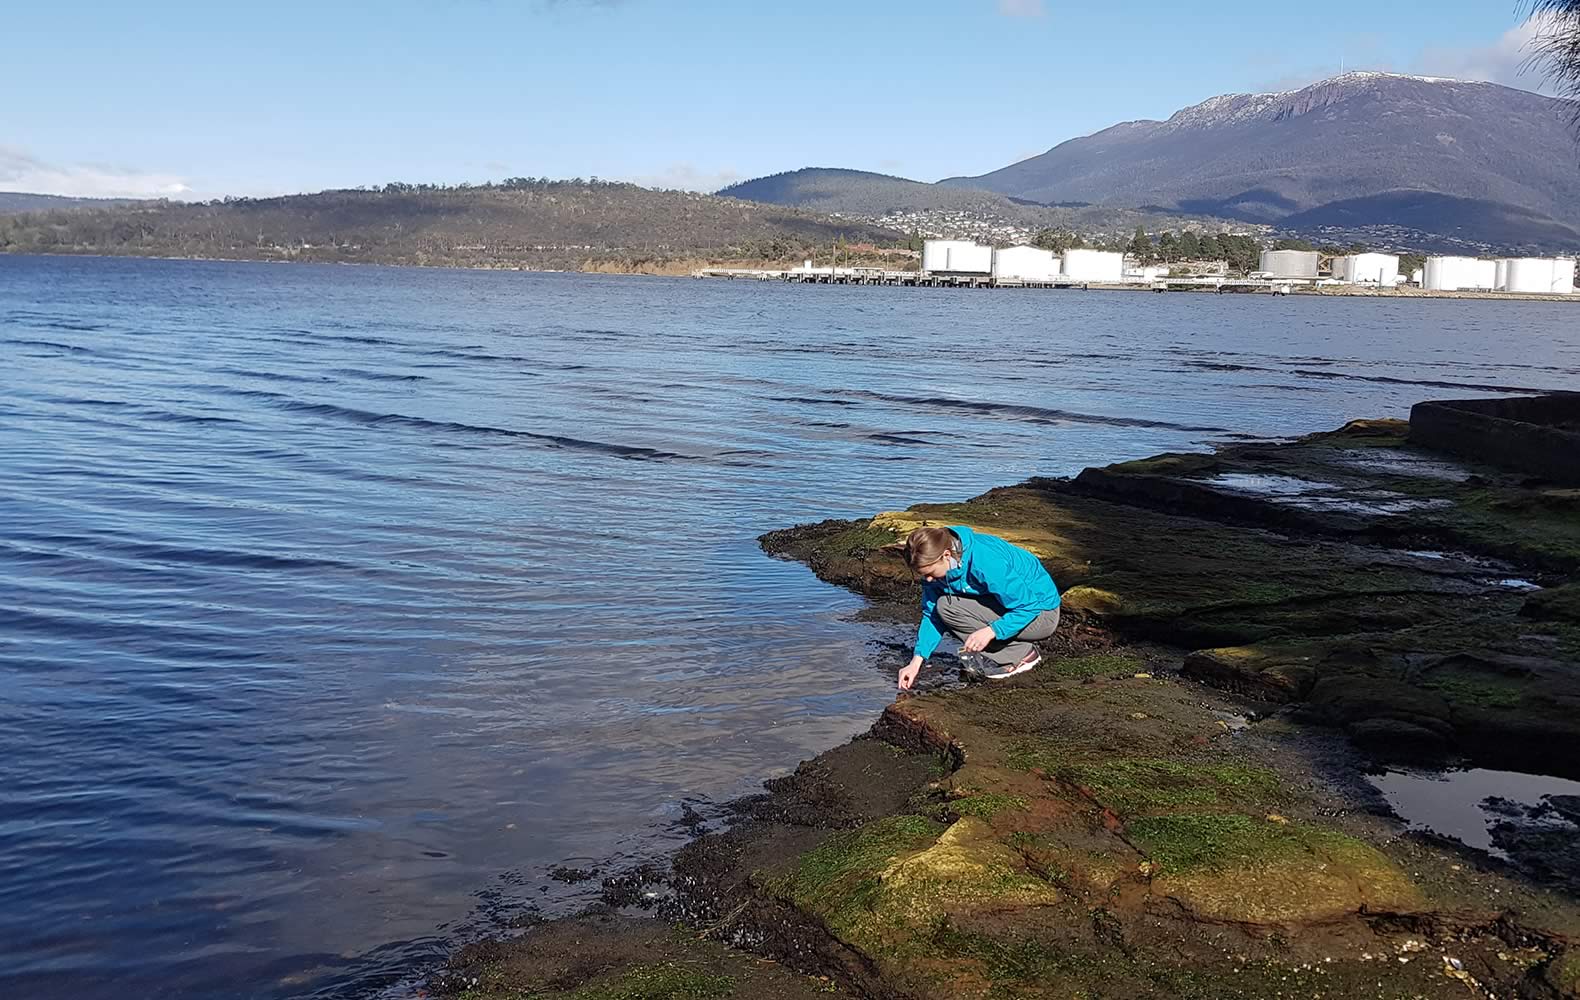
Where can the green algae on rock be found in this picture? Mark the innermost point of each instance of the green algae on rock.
(1232, 867)
(606, 957)
(886, 886)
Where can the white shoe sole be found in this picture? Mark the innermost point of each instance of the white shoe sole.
(1019, 669)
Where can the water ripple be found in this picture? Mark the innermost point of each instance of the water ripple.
(337, 605)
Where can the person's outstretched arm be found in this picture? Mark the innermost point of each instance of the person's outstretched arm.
(928, 637)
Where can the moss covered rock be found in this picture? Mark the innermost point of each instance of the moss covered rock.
(1234, 867)
(885, 886)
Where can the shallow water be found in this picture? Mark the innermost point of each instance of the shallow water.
(1318, 496)
(338, 604)
(1454, 803)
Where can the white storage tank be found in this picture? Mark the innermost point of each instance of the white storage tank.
(1451, 274)
(1289, 263)
(1484, 275)
(1502, 282)
(1094, 266)
(1367, 269)
(1539, 275)
(956, 257)
(1024, 264)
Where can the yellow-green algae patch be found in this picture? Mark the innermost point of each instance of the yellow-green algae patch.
(1130, 786)
(668, 981)
(1096, 665)
(986, 805)
(884, 887)
(1233, 867)
(860, 540)
(1565, 972)
(656, 981)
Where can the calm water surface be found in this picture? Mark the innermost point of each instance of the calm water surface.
(337, 604)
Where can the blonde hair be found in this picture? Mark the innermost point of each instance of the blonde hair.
(925, 546)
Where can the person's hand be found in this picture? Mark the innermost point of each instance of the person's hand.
(908, 673)
(977, 641)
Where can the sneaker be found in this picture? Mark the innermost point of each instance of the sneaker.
(1003, 673)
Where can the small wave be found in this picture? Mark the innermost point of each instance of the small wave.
(154, 413)
(377, 376)
(899, 437)
(216, 557)
(813, 401)
(53, 345)
(367, 418)
(1034, 414)
(175, 417)
(64, 324)
(357, 339)
(1429, 383)
(1219, 366)
(267, 376)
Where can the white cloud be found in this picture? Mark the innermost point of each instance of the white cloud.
(1022, 8)
(688, 177)
(21, 171)
(1506, 60)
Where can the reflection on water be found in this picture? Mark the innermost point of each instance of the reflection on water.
(1466, 805)
(338, 605)
(1311, 495)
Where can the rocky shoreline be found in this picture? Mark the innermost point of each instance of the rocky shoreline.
(1175, 804)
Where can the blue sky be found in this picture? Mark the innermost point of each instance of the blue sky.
(205, 99)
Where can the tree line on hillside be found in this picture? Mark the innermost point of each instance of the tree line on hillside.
(1241, 252)
(525, 221)
(854, 192)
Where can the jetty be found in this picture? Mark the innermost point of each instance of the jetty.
(928, 279)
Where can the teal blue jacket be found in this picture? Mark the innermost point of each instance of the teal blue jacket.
(1002, 574)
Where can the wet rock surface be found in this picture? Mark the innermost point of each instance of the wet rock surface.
(610, 957)
(1426, 632)
(1114, 824)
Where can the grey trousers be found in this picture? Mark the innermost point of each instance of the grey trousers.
(965, 615)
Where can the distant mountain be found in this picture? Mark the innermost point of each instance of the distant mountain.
(860, 192)
(934, 209)
(13, 202)
(522, 222)
(1478, 161)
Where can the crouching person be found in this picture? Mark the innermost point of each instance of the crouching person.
(997, 598)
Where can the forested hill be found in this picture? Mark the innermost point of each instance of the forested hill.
(861, 192)
(13, 202)
(519, 222)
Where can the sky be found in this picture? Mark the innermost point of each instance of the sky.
(201, 100)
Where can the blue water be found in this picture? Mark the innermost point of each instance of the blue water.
(337, 604)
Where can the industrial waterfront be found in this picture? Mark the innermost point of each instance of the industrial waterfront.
(966, 264)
